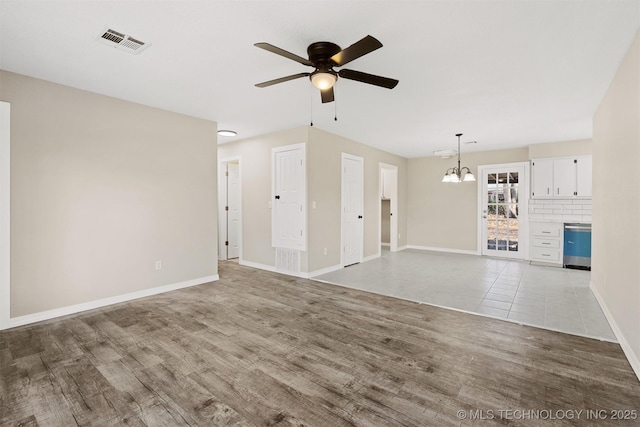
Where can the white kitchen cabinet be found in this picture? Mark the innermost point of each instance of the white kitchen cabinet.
(561, 177)
(564, 177)
(584, 176)
(546, 242)
(542, 178)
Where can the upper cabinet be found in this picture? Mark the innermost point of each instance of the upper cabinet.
(541, 178)
(561, 177)
(584, 176)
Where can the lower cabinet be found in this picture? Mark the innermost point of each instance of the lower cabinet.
(546, 242)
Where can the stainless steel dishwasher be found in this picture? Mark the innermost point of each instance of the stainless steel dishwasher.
(577, 246)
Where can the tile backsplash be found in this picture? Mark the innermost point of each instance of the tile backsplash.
(568, 210)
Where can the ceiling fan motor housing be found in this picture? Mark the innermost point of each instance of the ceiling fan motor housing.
(321, 52)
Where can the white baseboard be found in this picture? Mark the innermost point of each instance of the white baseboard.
(325, 270)
(272, 269)
(370, 257)
(288, 273)
(77, 308)
(402, 248)
(447, 250)
(634, 359)
(257, 265)
(385, 244)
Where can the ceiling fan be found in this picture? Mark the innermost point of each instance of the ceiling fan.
(324, 56)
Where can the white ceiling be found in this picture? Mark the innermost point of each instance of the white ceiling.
(505, 73)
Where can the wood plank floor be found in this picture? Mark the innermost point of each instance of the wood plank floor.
(263, 349)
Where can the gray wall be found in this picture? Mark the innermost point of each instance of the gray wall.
(255, 177)
(582, 147)
(443, 215)
(323, 187)
(324, 160)
(385, 209)
(101, 189)
(616, 203)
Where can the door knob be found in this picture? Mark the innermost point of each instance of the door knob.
(359, 216)
(278, 197)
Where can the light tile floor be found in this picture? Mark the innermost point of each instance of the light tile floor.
(552, 298)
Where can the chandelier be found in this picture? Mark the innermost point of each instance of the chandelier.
(457, 174)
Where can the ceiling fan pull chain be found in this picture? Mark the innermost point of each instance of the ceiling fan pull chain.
(335, 104)
(311, 106)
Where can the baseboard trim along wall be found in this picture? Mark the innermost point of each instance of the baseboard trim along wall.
(77, 308)
(257, 265)
(634, 359)
(370, 257)
(325, 270)
(272, 269)
(288, 273)
(451, 251)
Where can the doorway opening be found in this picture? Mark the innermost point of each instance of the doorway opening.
(230, 212)
(388, 209)
(503, 206)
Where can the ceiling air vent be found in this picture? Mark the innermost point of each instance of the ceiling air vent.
(121, 41)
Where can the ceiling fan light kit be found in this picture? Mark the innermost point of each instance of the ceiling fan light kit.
(323, 80)
(458, 174)
(324, 56)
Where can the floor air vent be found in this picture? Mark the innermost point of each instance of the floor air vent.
(287, 260)
(121, 41)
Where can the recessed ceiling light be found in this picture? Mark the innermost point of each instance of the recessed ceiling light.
(227, 133)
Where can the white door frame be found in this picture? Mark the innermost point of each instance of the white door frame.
(393, 224)
(5, 212)
(523, 220)
(222, 215)
(342, 206)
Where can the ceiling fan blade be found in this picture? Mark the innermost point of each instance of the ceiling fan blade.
(282, 52)
(368, 78)
(327, 95)
(356, 50)
(283, 79)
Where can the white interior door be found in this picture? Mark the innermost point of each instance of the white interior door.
(288, 213)
(233, 210)
(503, 210)
(352, 209)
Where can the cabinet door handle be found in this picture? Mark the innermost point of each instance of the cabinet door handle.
(558, 191)
(547, 190)
(546, 243)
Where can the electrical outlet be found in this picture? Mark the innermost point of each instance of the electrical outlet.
(325, 251)
(158, 265)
